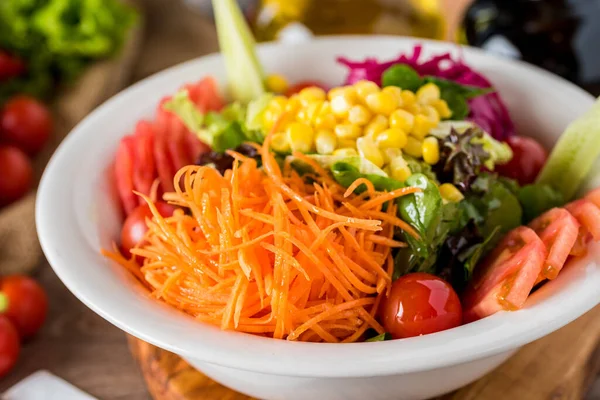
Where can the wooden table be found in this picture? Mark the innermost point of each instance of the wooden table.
(76, 344)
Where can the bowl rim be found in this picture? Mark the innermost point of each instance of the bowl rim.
(493, 335)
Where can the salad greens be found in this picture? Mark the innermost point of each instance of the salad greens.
(245, 73)
(380, 338)
(455, 94)
(58, 38)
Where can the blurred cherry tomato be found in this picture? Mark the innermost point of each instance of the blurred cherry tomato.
(26, 304)
(25, 123)
(10, 346)
(135, 227)
(419, 304)
(528, 159)
(10, 66)
(302, 85)
(16, 174)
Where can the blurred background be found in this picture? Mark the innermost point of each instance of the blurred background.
(59, 59)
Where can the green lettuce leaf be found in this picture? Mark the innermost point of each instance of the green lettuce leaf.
(538, 198)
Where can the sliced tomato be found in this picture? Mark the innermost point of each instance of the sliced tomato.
(559, 230)
(177, 144)
(124, 174)
(205, 94)
(164, 166)
(505, 278)
(144, 171)
(587, 214)
(594, 197)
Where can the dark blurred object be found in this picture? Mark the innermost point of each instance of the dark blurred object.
(559, 35)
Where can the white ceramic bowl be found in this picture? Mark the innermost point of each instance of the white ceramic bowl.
(77, 215)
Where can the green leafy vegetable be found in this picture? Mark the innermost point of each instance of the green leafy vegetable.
(465, 91)
(461, 158)
(221, 131)
(58, 38)
(419, 167)
(475, 253)
(245, 73)
(573, 156)
(538, 198)
(402, 76)
(380, 338)
(345, 173)
(499, 152)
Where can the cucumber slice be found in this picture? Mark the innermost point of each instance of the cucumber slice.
(245, 74)
(574, 154)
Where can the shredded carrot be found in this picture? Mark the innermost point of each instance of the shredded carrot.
(263, 251)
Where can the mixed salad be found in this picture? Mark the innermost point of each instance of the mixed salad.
(399, 204)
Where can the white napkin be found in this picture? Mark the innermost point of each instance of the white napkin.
(42, 385)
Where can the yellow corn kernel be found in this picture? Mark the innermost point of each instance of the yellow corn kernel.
(399, 169)
(442, 108)
(365, 88)
(347, 131)
(341, 104)
(428, 93)
(346, 143)
(368, 149)
(391, 138)
(394, 91)
(312, 94)
(345, 152)
(378, 124)
(293, 104)
(414, 147)
(390, 154)
(408, 98)
(278, 103)
(359, 115)
(432, 115)
(277, 83)
(450, 193)
(301, 137)
(325, 141)
(280, 143)
(431, 150)
(402, 119)
(382, 103)
(422, 127)
(270, 117)
(308, 113)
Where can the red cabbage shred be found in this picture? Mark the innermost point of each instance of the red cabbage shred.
(487, 111)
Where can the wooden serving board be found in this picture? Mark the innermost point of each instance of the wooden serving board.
(560, 366)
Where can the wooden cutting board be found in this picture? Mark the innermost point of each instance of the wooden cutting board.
(560, 366)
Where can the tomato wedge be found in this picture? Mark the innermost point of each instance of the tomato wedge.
(587, 214)
(124, 174)
(559, 230)
(594, 197)
(505, 278)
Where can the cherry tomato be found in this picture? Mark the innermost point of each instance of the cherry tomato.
(558, 229)
(302, 85)
(135, 227)
(528, 159)
(419, 304)
(16, 174)
(10, 66)
(10, 346)
(26, 304)
(25, 123)
(505, 278)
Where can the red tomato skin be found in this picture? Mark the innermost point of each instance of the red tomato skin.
(294, 89)
(26, 123)
(528, 159)
(27, 304)
(419, 304)
(10, 346)
(587, 214)
(16, 174)
(505, 278)
(10, 66)
(594, 197)
(559, 230)
(135, 227)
